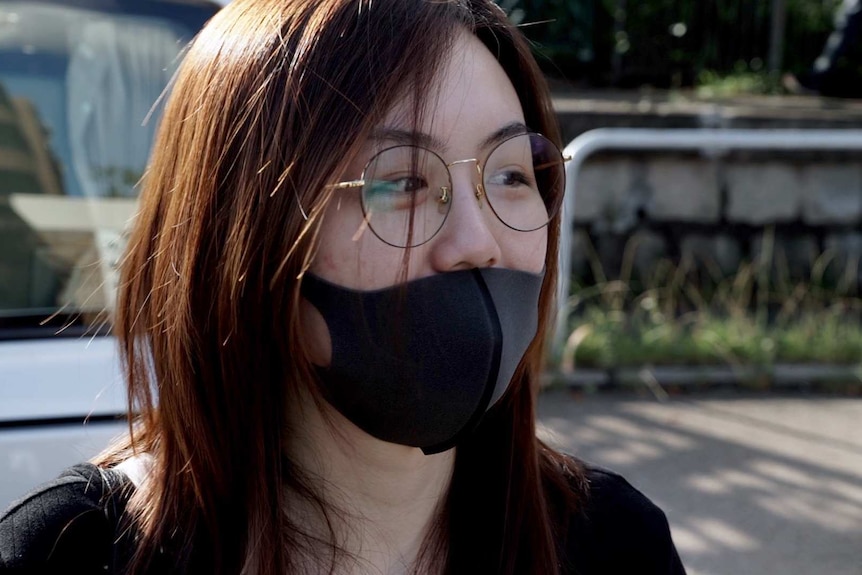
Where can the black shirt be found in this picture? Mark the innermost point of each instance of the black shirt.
(69, 526)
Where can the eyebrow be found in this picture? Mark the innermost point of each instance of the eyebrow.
(412, 137)
(504, 133)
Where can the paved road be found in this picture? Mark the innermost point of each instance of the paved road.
(752, 485)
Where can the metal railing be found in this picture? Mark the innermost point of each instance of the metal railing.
(709, 142)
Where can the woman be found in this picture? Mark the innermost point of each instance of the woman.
(332, 316)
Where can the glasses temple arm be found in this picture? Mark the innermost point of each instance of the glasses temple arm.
(549, 164)
(350, 184)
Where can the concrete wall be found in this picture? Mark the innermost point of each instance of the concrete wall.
(802, 212)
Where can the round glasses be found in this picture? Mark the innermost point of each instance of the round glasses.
(407, 190)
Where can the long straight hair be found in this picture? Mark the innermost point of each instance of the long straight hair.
(270, 104)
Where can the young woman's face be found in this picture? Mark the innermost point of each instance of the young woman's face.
(474, 107)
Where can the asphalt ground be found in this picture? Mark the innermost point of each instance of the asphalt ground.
(751, 484)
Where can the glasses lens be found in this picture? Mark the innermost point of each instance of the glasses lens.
(523, 179)
(406, 196)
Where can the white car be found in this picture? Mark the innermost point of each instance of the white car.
(78, 83)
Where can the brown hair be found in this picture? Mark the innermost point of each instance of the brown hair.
(271, 102)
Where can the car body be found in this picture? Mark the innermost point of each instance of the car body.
(79, 86)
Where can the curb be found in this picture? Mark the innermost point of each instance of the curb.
(779, 376)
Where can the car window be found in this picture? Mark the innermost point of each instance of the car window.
(79, 86)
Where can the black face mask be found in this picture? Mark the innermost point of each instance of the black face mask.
(420, 363)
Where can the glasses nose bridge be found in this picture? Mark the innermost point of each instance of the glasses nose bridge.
(479, 188)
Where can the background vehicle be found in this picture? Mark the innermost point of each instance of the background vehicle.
(78, 83)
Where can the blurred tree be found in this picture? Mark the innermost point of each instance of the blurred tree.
(667, 42)
(562, 32)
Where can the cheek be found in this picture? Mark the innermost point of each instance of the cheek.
(350, 255)
(366, 264)
(525, 251)
(540, 251)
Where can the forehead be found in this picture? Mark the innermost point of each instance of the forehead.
(470, 98)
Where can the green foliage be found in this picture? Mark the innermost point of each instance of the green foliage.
(669, 42)
(616, 339)
(751, 318)
(562, 30)
(743, 80)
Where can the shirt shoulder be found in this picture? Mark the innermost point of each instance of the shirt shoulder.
(619, 530)
(66, 525)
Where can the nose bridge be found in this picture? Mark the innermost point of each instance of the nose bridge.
(467, 179)
(464, 161)
(477, 185)
(468, 238)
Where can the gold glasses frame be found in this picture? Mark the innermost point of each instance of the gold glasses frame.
(445, 196)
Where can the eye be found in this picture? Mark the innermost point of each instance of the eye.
(397, 185)
(511, 178)
(395, 192)
(411, 184)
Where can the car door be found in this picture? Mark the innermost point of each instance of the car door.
(80, 85)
